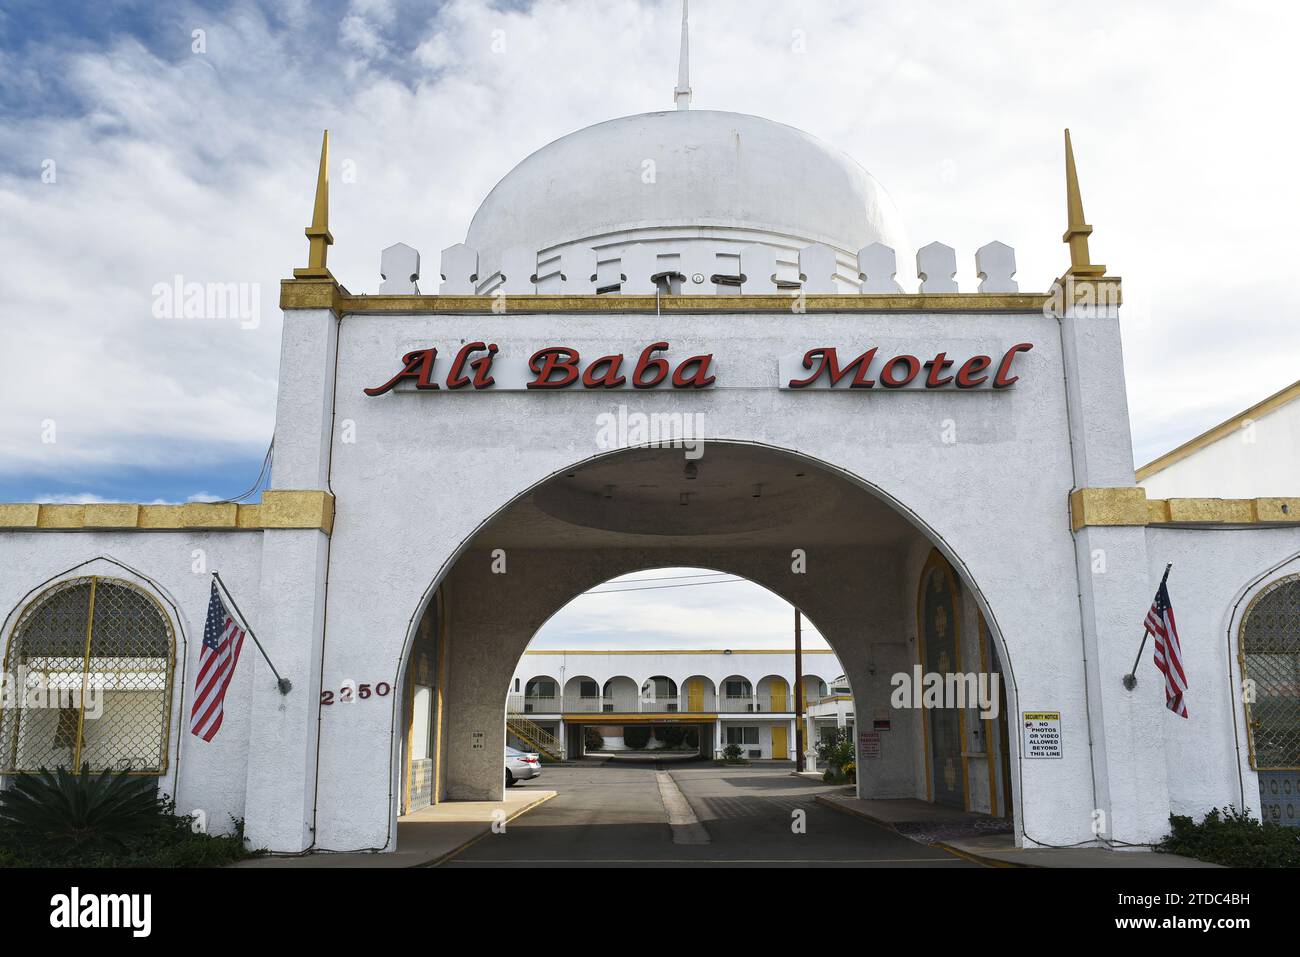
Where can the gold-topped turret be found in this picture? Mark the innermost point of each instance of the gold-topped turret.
(1078, 231)
(319, 238)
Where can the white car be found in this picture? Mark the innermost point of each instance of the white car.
(521, 765)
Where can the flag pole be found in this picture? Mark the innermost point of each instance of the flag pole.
(284, 684)
(1130, 679)
(798, 692)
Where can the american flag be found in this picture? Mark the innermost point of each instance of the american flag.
(222, 641)
(1168, 655)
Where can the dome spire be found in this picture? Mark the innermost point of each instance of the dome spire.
(319, 238)
(683, 92)
(1077, 230)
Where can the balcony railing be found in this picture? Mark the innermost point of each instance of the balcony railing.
(756, 704)
(623, 704)
(533, 704)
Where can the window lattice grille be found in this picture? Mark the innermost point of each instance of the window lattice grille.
(91, 660)
(1270, 658)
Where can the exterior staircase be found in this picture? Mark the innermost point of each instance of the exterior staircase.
(535, 736)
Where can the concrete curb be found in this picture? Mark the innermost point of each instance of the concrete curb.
(825, 801)
(979, 858)
(478, 837)
(942, 845)
(686, 827)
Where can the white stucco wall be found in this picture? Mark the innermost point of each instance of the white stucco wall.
(985, 475)
(206, 777)
(1258, 459)
(473, 453)
(1215, 574)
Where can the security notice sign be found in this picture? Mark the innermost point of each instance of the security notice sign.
(869, 744)
(1042, 734)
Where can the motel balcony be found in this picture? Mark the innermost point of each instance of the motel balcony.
(624, 704)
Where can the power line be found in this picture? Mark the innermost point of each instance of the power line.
(262, 474)
(626, 581)
(654, 588)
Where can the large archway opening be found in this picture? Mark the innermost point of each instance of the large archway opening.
(852, 559)
(677, 664)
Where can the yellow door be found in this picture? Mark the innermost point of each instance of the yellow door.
(779, 689)
(780, 751)
(695, 695)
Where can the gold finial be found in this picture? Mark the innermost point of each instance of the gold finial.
(319, 238)
(1077, 232)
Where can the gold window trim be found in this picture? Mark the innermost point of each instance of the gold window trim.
(34, 606)
(1245, 673)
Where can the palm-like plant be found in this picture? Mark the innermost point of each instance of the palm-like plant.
(60, 814)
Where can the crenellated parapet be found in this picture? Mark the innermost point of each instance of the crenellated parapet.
(709, 268)
(698, 267)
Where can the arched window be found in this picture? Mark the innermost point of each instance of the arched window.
(540, 688)
(659, 688)
(1270, 660)
(90, 663)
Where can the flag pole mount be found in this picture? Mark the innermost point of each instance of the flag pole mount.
(283, 684)
(1130, 679)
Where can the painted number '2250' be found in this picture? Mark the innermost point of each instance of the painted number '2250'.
(351, 692)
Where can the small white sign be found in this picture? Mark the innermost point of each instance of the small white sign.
(1041, 732)
(476, 740)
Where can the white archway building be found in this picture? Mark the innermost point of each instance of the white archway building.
(941, 478)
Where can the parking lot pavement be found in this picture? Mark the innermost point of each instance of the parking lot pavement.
(614, 815)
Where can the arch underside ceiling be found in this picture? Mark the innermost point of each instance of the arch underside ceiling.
(732, 495)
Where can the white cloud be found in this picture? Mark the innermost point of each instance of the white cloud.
(89, 498)
(80, 498)
(669, 610)
(202, 165)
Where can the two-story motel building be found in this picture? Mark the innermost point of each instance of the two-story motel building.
(727, 696)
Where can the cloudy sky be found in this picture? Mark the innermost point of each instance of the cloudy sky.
(140, 142)
(676, 608)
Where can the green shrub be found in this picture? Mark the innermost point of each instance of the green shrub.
(61, 814)
(692, 739)
(592, 739)
(1233, 838)
(53, 819)
(732, 753)
(636, 738)
(844, 775)
(178, 845)
(836, 750)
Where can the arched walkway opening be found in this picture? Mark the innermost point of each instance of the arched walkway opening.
(652, 642)
(852, 560)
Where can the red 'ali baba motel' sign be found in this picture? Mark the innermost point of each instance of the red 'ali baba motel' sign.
(476, 368)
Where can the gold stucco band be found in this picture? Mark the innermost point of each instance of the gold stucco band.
(1130, 506)
(298, 510)
(283, 509)
(1108, 506)
(328, 294)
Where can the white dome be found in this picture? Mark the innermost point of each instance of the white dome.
(681, 175)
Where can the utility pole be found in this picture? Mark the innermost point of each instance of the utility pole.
(798, 692)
